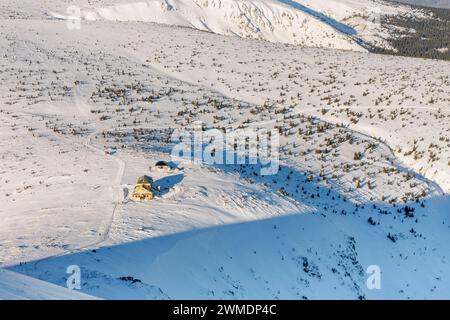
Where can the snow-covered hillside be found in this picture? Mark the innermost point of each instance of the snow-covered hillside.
(363, 177)
(338, 24)
(430, 3)
(286, 257)
(268, 20)
(15, 286)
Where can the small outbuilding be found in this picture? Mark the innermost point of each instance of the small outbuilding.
(162, 165)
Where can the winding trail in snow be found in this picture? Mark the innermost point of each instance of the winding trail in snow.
(83, 109)
(117, 190)
(117, 187)
(116, 197)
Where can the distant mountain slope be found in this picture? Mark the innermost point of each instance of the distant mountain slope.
(259, 19)
(429, 3)
(337, 24)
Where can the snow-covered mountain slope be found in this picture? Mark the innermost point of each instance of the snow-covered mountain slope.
(15, 286)
(339, 24)
(269, 20)
(84, 113)
(365, 17)
(381, 96)
(286, 257)
(429, 3)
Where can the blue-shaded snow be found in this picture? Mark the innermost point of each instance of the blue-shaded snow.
(336, 25)
(339, 26)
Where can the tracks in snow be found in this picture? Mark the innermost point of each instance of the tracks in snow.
(117, 201)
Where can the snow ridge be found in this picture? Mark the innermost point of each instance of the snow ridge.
(258, 19)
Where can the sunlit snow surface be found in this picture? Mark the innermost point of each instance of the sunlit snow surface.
(217, 231)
